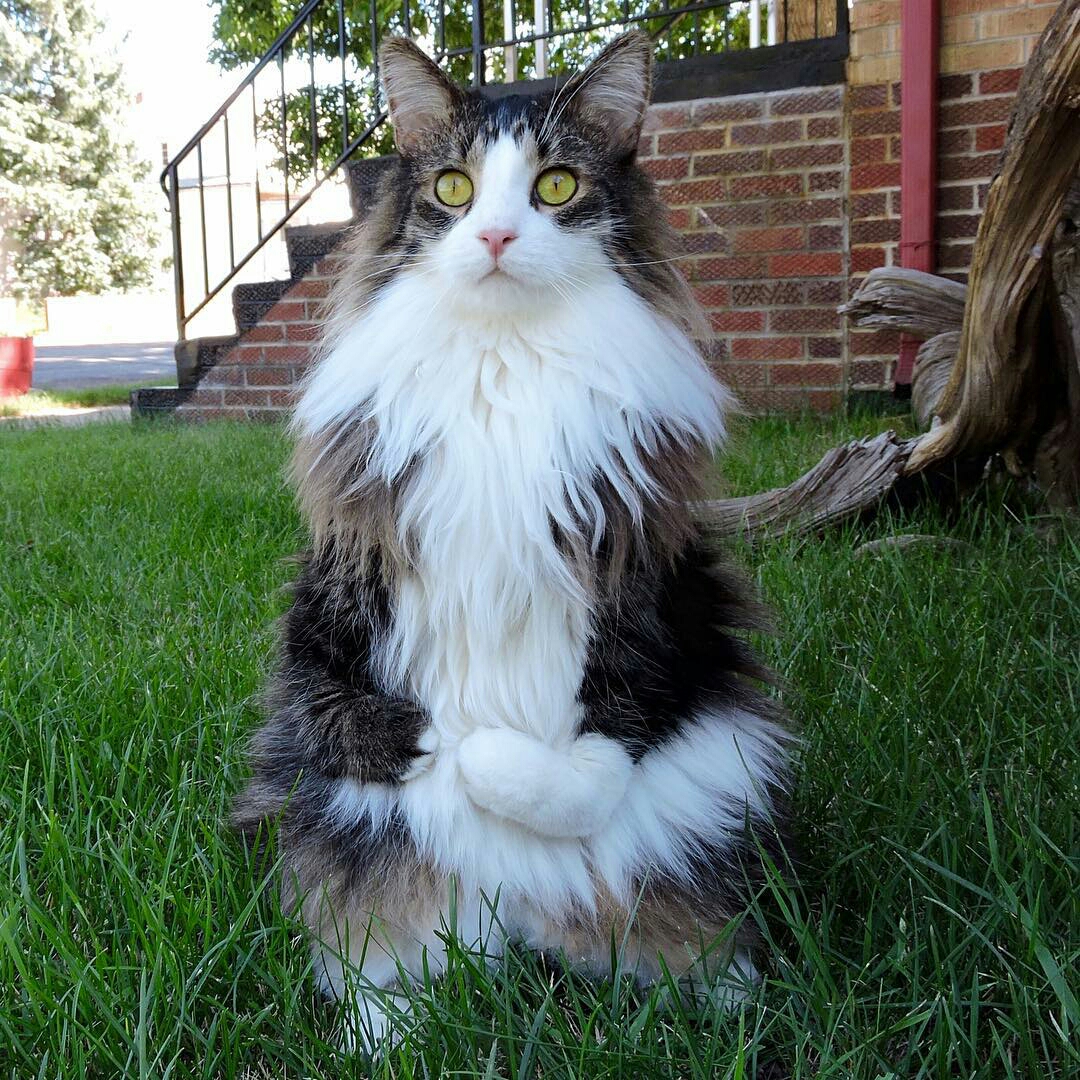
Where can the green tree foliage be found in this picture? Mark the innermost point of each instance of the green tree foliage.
(72, 190)
(246, 29)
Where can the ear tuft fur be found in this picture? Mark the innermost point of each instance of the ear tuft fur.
(420, 97)
(613, 91)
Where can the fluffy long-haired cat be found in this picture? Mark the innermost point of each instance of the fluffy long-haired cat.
(511, 668)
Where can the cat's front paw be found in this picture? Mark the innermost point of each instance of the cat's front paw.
(427, 746)
(558, 793)
(499, 769)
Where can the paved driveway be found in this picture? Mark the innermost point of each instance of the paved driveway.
(80, 366)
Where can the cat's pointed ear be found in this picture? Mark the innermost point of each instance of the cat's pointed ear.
(613, 91)
(421, 99)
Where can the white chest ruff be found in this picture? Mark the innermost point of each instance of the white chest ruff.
(504, 430)
(490, 629)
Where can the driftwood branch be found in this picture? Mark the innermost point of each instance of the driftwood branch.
(895, 298)
(1057, 455)
(847, 481)
(933, 366)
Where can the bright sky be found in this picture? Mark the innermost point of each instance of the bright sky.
(165, 58)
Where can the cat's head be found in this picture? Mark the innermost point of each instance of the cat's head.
(504, 200)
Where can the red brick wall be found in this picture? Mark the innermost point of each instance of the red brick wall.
(755, 185)
(784, 201)
(973, 110)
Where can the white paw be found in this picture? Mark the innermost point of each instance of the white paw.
(560, 793)
(604, 758)
(493, 762)
(604, 769)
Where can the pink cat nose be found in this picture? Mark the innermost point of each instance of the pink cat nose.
(496, 240)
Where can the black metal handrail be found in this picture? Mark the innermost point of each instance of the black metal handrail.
(366, 21)
(170, 176)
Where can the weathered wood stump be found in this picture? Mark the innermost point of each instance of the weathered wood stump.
(999, 370)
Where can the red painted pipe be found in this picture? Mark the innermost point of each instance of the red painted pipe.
(919, 27)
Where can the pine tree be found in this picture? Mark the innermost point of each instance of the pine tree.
(73, 196)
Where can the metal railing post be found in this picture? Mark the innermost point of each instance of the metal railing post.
(344, 81)
(478, 42)
(178, 251)
(509, 34)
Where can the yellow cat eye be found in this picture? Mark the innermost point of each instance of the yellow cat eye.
(453, 188)
(555, 187)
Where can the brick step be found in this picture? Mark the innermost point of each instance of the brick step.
(253, 299)
(220, 381)
(196, 356)
(307, 244)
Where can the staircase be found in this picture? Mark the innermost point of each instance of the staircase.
(250, 374)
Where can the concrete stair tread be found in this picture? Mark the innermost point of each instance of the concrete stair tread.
(253, 299)
(252, 291)
(364, 176)
(324, 229)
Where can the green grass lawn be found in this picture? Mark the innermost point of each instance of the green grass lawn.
(38, 401)
(934, 930)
